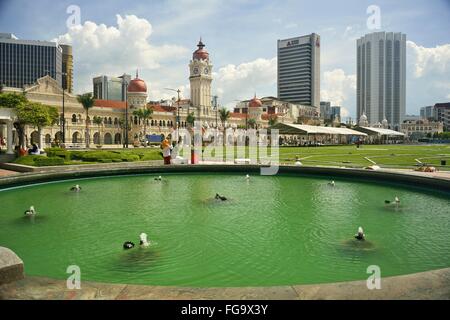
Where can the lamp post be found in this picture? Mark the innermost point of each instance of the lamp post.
(178, 91)
(125, 83)
(63, 106)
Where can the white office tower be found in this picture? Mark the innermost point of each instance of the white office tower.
(381, 78)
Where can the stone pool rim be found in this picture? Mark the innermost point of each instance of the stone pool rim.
(315, 291)
(387, 176)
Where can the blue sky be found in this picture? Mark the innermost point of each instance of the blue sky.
(241, 38)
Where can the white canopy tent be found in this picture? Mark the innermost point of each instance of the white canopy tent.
(326, 135)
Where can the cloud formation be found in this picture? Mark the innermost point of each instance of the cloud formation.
(339, 88)
(242, 81)
(102, 50)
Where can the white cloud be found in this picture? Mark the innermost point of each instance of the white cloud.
(113, 50)
(238, 82)
(429, 60)
(339, 89)
(427, 77)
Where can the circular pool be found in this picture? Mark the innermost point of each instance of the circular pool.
(272, 230)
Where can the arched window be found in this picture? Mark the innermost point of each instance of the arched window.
(160, 123)
(74, 118)
(109, 120)
(116, 121)
(96, 138)
(135, 120)
(108, 138)
(118, 138)
(164, 123)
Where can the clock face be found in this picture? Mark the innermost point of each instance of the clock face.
(206, 70)
(195, 70)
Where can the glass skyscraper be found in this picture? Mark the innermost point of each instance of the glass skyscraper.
(22, 62)
(110, 88)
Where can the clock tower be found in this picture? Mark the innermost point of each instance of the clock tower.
(200, 81)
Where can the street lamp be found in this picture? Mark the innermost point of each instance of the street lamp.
(178, 91)
(63, 107)
(125, 83)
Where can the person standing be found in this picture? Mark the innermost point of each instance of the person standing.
(166, 150)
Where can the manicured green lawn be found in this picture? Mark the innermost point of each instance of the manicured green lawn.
(382, 155)
(390, 156)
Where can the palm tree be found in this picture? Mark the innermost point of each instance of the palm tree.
(224, 115)
(190, 119)
(87, 100)
(252, 123)
(144, 114)
(273, 120)
(98, 121)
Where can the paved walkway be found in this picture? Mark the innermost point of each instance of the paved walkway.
(426, 285)
(4, 173)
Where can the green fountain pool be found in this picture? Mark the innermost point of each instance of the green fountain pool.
(276, 230)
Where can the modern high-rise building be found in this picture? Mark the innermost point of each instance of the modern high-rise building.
(67, 67)
(325, 110)
(299, 70)
(110, 88)
(427, 112)
(336, 113)
(381, 78)
(22, 62)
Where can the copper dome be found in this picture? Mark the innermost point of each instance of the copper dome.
(255, 103)
(137, 85)
(200, 53)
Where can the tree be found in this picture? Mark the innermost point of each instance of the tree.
(252, 123)
(37, 115)
(144, 114)
(12, 100)
(273, 119)
(190, 119)
(98, 121)
(224, 115)
(87, 101)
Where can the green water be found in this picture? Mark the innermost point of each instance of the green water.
(273, 231)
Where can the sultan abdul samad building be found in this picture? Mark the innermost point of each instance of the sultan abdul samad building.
(164, 118)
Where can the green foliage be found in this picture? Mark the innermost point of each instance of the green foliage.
(251, 123)
(143, 113)
(12, 100)
(97, 120)
(224, 115)
(86, 100)
(190, 119)
(273, 119)
(48, 161)
(37, 114)
(40, 161)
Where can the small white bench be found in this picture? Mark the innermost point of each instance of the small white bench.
(242, 161)
(179, 160)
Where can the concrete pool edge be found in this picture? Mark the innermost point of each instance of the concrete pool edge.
(439, 181)
(426, 285)
(429, 285)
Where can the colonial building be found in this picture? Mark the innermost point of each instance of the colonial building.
(81, 129)
(421, 128)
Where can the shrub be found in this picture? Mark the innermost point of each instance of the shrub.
(50, 161)
(130, 158)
